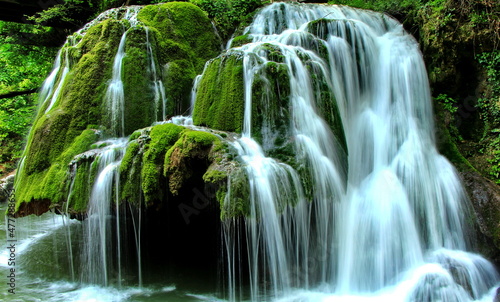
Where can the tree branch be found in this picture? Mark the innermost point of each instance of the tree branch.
(17, 93)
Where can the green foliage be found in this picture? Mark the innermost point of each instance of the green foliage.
(489, 108)
(70, 13)
(449, 104)
(490, 102)
(495, 161)
(23, 68)
(228, 14)
(387, 6)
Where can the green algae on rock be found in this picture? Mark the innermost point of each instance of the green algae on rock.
(82, 73)
(220, 97)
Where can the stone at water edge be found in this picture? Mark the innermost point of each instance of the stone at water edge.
(485, 198)
(6, 186)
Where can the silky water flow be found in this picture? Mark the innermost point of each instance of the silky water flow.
(369, 211)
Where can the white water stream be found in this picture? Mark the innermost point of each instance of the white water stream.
(381, 219)
(388, 227)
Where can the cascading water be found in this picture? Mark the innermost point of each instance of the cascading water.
(160, 98)
(98, 239)
(115, 96)
(365, 209)
(52, 86)
(390, 225)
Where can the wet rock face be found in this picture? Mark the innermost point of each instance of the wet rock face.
(485, 198)
(6, 186)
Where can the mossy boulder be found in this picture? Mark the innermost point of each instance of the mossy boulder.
(220, 100)
(52, 185)
(186, 40)
(170, 44)
(140, 108)
(241, 40)
(164, 159)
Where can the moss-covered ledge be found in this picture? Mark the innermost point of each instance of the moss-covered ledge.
(39, 191)
(163, 161)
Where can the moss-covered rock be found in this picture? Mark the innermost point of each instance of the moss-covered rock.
(220, 100)
(485, 196)
(139, 97)
(130, 172)
(59, 134)
(177, 42)
(181, 160)
(241, 40)
(234, 201)
(163, 137)
(186, 40)
(163, 160)
(53, 184)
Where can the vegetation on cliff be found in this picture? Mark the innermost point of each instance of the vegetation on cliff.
(24, 68)
(459, 42)
(163, 160)
(79, 101)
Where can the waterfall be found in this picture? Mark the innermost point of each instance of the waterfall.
(98, 240)
(51, 88)
(115, 97)
(383, 213)
(160, 98)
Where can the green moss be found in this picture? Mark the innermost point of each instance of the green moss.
(220, 97)
(171, 50)
(139, 109)
(272, 52)
(191, 145)
(186, 41)
(51, 144)
(130, 154)
(135, 135)
(130, 173)
(81, 187)
(235, 202)
(241, 40)
(103, 31)
(53, 183)
(162, 138)
(214, 176)
(185, 23)
(179, 80)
